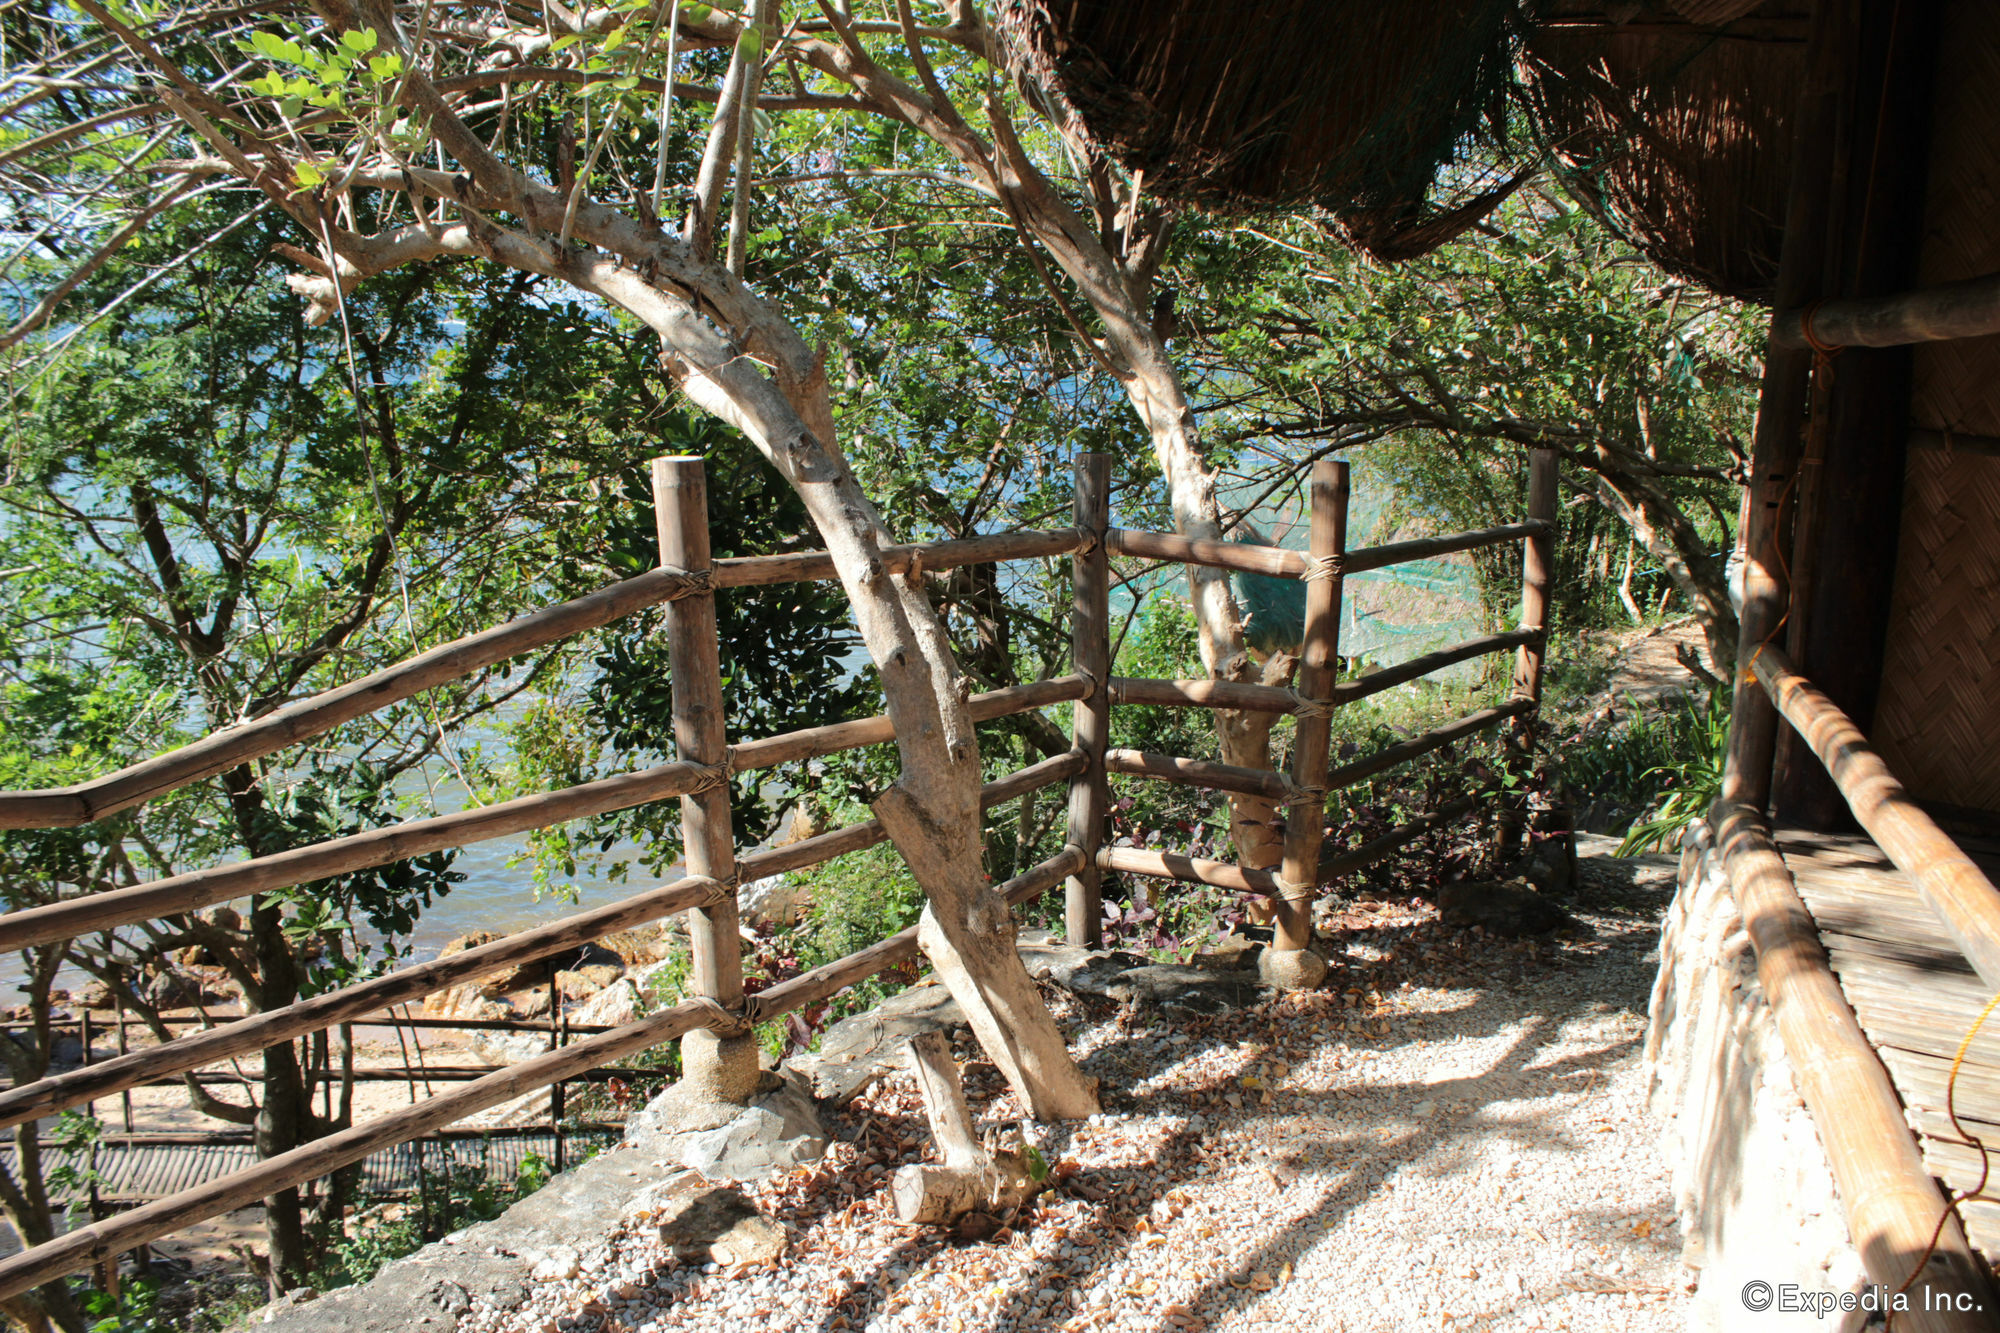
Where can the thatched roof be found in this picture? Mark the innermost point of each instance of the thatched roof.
(1671, 121)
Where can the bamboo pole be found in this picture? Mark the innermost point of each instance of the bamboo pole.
(1764, 536)
(1404, 751)
(367, 1000)
(80, 1248)
(1966, 309)
(1188, 870)
(1368, 853)
(1319, 665)
(1891, 1203)
(1199, 773)
(304, 719)
(1537, 565)
(202, 888)
(1274, 699)
(1090, 653)
(1275, 562)
(1957, 890)
(716, 1068)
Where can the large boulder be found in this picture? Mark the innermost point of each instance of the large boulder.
(617, 1004)
(1509, 908)
(640, 946)
(583, 982)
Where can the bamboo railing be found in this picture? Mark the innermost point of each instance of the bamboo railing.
(687, 582)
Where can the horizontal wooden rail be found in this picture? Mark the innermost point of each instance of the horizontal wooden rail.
(1892, 1205)
(1428, 548)
(1277, 562)
(1187, 869)
(1360, 687)
(1227, 875)
(1368, 853)
(1238, 695)
(1945, 877)
(1404, 751)
(1199, 773)
(92, 1244)
(363, 1001)
(101, 1240)
(831, 978)
(418, 837)
(304, 719)
(1968, 309)
(804, 566)
(1273, 699)
(307, 718)
(813, 742)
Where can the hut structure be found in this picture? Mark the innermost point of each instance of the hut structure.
(1822, 1037)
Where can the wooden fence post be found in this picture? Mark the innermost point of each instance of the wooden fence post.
(1290, 961)
(1537, 567)
(715, 1069)
(1090, 636)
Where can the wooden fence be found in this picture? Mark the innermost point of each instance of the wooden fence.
(687, 583)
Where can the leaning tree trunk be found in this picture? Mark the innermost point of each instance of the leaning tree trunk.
(1674, 542)
(736, 357)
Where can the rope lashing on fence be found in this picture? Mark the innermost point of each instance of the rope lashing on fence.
(1292, 891)
(693, 582)
(1319, 568)
(1306, 796)
(1304, 707)
(714, 775)
(721, 1021)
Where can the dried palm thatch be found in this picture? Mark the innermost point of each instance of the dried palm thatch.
(1353, 105)
(1678, 133)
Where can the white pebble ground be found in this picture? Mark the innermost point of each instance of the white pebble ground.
(1453, 1136)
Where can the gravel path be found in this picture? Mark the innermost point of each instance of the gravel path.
(1456, 1138)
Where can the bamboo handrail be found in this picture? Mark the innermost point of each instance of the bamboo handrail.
(1892, 1205)
(356, 1003)
(1404, 751)
(203, 888)
(1957, 890)
(1368, 853)
(1951, 310)
(300, 721)
(1277, 562)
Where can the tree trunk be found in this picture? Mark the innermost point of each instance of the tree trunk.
(1670, 537)
(966, 1178)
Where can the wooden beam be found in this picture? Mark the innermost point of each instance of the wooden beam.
(1188, 870)
(1404, 751)
(1319, 665)
(813, 742)
(1368, 853)
(1949, 311)
(1090, 652)
(1956, 889)
(1895, 1215)
(1199, 773)
(750, 571)
(1764, 535)
(1276, 562)
(715, 1067)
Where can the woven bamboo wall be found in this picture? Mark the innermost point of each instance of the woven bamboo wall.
(1938, 721)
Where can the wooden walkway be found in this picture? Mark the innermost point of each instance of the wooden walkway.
(1916, 997)
(133, 1173)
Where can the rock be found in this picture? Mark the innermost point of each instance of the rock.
(558, 1264)
(721, 1226)
(638, 947)
(1291, 969)
(505, 1048)
(1187, 990)
(856, 1052)
(530, 1003)
(775, 899)
(465, 1001)
(779, 1132)
(170, 990)
(95, 995)
(583, 982)
(1508, 908)
(450, 1297)
(614, 1006)
(1230, 953)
